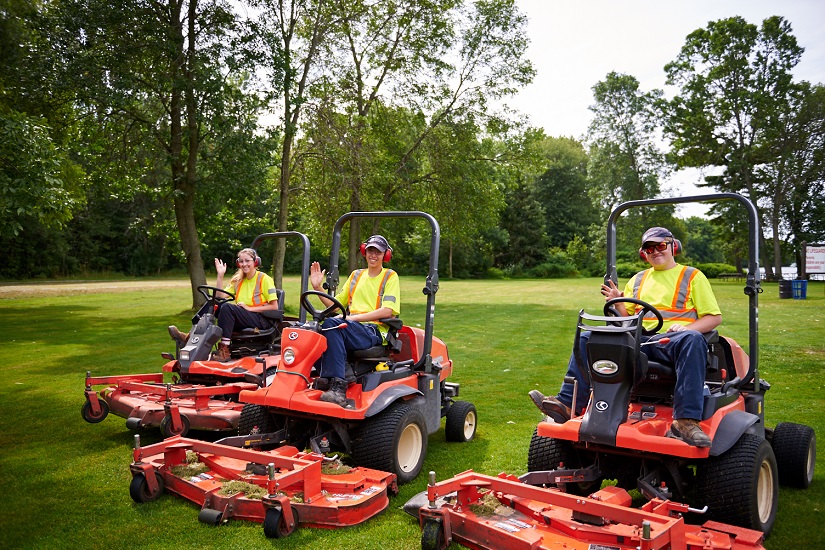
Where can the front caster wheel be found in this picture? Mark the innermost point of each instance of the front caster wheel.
(432, 536)
(275, 525)
(139, 489)
(461, 422)
(92, 418)
(168, 430)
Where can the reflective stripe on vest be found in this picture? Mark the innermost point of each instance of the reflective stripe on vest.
(357, 277)
(257, 299)
(677, 310)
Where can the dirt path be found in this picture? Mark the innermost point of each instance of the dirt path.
(53, 288)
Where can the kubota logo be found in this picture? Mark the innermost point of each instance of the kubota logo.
(293, 336)
(601, 406)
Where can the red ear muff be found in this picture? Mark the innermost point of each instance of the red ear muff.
(642, 254)
(677, 247)
(257, 261)
(387, 253)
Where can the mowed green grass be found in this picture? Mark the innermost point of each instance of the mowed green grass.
(64, 483)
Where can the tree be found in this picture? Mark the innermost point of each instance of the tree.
(735, 85)
(394, 59)
(625, 160)
(164, 66)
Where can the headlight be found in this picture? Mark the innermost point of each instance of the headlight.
(184, 355)
(289, 356)
(605, 366)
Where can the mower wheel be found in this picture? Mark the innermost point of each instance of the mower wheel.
(139, 489)
(167, 430)
(432, 535)
(741, 485)
(547, 453)
(795, 448)
(210, 517)
(393, 441)
(92, 418)
(255, 416)
(275, 526)
(461, 422)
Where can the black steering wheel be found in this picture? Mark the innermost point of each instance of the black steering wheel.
(610, 310)
(319, 316)
(213, 296)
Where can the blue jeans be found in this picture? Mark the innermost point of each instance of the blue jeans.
(232, 316)
(339, 341)
(687, 351)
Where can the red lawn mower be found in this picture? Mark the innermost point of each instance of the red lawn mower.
(622, 433)
(398, 392)
(192, 391)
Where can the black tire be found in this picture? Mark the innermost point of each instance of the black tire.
(461, 422)
(794, 446)
(255, 416)
(89, 416)
(432, 535)
(546, 453)
(275, 526)
(167, 430)
(139, 489)
(210, 517)
(740, 486)
(393, 441)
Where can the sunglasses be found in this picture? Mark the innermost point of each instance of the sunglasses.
(659, 247)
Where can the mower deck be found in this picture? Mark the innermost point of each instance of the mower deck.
(481, 511)
(144, 400)
(296, 488)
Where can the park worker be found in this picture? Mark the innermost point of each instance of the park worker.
(369, 295)
(254, 293)
(685, 299)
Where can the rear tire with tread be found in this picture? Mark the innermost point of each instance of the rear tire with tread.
(253, 416)
(393, 441)
(740, 486)
(794, 446)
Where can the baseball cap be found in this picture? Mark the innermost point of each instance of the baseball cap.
(377, 241)
(656, 235)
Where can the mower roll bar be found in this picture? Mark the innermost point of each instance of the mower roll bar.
(752, 286)
(431, 285)
(302, 314)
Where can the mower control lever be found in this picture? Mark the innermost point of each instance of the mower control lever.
(659, 341)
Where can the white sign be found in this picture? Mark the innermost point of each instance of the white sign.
(815, 258)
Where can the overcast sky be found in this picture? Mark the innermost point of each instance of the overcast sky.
(575, 43)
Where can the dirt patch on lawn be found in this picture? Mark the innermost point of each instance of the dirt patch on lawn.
(54, 288)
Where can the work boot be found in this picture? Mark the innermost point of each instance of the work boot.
(223, 354)
(337, 392)
(180, 337)
(551, 406)
(689, 431)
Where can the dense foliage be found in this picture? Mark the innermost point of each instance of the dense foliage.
(143, 136)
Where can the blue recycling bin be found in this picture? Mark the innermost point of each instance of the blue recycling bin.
(800, 289)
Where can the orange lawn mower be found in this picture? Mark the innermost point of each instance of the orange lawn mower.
(397, 395)
(193, 391)
(730, 487)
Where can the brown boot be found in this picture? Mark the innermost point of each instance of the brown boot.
(689, 431)
(550, 406)
(223, 354)
(180, 337)
(337, 392)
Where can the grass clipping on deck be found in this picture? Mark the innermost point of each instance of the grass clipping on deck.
(489, 505)
(249, 490)
(192, 467)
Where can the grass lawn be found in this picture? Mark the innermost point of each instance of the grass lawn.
(65, 483)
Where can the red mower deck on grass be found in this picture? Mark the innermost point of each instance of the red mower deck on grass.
(296, 486)
(487, 512)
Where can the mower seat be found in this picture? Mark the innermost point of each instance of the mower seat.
(658, 379)
(250, 341)
(363, 361)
